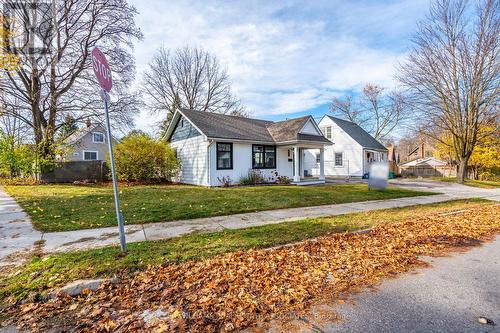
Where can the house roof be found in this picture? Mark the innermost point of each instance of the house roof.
(80, 133)
(358, 134)
(287, 130)
(216, 125)
(431, 161)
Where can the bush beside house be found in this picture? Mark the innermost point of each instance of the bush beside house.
(138, 157)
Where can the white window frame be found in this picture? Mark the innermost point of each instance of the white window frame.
(341, 159)
(329, 136)
(90, 151)
(103, 137)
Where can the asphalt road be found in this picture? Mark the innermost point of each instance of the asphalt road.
(447, 297)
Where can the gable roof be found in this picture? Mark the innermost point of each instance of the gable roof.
(287, 130)
(220, 126)
(358, 134)
(216, 125)
(80, 133)
(430, 161)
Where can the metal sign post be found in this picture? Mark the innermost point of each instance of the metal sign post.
(103, 74)
(119, 217)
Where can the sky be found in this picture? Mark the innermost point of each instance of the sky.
(284, 58)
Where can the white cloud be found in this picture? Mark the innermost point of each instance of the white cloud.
(285, 57)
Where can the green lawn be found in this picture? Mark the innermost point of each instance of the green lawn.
(41, 274)
(472, 182)
(70, 207)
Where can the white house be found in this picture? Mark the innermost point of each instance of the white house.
(211, 146)
(351, 153)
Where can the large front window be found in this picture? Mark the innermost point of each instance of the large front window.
(224, 156)
(263, 157)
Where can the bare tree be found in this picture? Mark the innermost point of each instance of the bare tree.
(56, 80)
(346, 107)
(452, 73)
(188, 78)
(378, 112)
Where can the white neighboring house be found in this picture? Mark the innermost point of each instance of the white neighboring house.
(86, 144)
(211, 146)
(351, 153)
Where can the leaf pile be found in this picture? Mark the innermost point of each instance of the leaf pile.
(236, 290)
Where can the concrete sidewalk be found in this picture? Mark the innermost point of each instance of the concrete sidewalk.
(23, 236)
(16, 231)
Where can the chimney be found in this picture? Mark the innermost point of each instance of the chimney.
(391, 154)
(422, 151)
(88, 123)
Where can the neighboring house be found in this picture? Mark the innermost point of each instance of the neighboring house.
(427, 167)
(352, 152)
(86, 144)
(411, 149)
(211, 146)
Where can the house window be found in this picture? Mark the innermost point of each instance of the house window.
(338, 159)
(328, 133)
(97, 137)
(263, 157)
(224, 156)
(90, 155)
(318, 158)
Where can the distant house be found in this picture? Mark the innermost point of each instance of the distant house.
(211, 146)
(86, 144)
(427, 167)
(352, 152)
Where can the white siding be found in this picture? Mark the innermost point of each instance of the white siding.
(342, 143)
(242, 164)
(310, 128)
(192, 154)
(284, 162)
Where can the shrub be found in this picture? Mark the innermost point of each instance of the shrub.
(282, 180)
(225, 181)
(252, 178)
(487, 175)
(138, 157)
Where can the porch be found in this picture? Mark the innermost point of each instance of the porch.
(370, 156)
(301, 176)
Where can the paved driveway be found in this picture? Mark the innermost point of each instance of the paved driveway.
(452, 189)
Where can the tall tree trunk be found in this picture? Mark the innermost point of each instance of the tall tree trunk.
(462, 170)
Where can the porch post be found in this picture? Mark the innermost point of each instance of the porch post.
(322, 164)
(296, 156)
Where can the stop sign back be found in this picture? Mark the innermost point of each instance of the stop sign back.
(101, 69)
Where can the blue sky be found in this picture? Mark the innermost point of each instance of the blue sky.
(285, 58)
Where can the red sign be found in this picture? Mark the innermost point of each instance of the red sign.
(101, 69)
